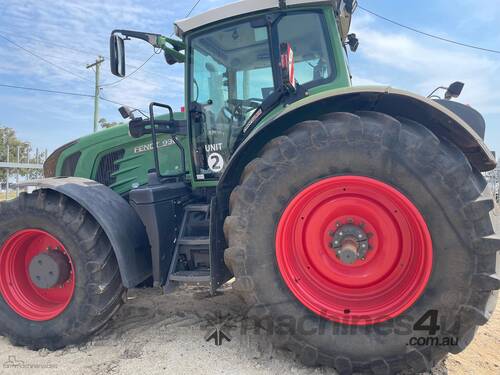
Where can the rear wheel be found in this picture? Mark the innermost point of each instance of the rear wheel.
(367, 242)
(59, 278)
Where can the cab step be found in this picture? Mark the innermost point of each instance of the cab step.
(198, 276)
(191, 258)
(194, 241)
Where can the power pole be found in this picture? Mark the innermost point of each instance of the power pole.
(8, 175)
(497, 182)
(97, 65)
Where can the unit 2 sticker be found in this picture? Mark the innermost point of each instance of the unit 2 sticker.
(215, 162)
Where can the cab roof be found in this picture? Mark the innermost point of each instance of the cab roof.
(249, 6)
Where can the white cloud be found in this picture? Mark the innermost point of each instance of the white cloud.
(359, 80)
(421, 64)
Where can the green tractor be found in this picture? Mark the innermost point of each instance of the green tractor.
(355, 221)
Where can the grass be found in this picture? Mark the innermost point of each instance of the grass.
(12, 195)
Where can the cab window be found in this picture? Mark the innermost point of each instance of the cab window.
(307, 36)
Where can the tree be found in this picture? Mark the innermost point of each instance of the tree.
(105, 124)
(10, 142)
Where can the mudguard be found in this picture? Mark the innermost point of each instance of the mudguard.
(441, 120)
(117, 218)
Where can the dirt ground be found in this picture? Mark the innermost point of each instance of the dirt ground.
(157, 334)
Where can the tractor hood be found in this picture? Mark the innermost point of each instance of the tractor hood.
(343, 10)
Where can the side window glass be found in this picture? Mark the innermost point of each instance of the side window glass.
(304, 32)
(256, 83)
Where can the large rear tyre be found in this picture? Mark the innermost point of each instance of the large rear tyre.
(366, 242)
(59, 278)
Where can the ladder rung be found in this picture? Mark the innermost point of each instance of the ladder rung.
(194, 241)
(191, 276)
(197, 207)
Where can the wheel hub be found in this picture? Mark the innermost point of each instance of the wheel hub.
(49, 269)
(350, 242)
(354, 250)
(37, 275)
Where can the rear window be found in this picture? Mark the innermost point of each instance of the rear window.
(307, 35)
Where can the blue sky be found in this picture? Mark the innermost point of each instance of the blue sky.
(71, 34)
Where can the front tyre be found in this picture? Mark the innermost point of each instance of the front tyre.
(59, 278)
(352, 229)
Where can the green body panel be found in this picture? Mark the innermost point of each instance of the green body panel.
(137, 159)
(134, 166)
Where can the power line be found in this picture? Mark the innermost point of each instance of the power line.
(128, 75)
(189, 13)
(46, 90)
(67, 58)
(121, 104)
(80, 51)
(60, 45)
(64, 93)
(42, 58)
(427, 34)
(192, 8)
(49, 42)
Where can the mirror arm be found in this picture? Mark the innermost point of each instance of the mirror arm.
(173, 53)
(433, 91)
(150, 38)
(158, 41)
(176, 44)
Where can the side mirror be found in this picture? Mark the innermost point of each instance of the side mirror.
(117, 55)
(352, 42)
(169, 58)
(454, 90)
(126, 112)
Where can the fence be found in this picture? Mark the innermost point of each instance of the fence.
(493, 178)
(25, 163)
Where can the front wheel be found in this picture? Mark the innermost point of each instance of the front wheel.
(367, 242)
(59, 278)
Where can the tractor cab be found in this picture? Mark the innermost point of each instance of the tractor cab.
(243, 62)
(238, 72)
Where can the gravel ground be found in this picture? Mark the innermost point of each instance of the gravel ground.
(157, 334)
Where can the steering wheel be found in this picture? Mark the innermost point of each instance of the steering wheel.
(246, 105)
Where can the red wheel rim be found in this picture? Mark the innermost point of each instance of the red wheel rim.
(16, 286)
(382, 285)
